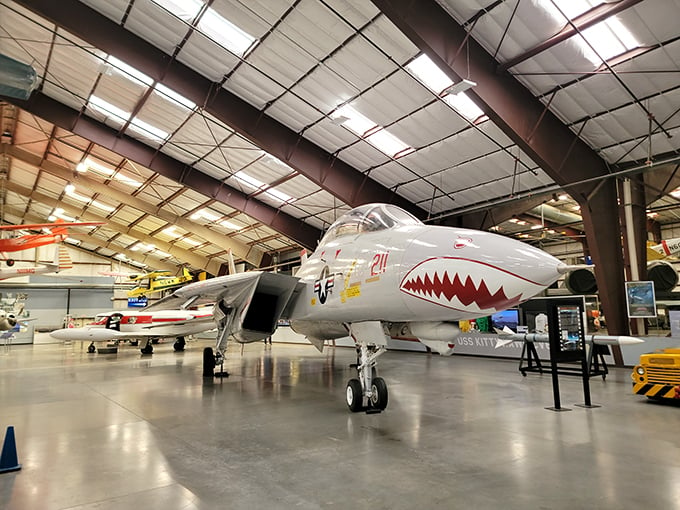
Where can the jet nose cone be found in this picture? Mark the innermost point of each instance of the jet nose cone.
(59, 334)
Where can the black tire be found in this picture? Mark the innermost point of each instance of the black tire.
(134, 343)
(91, 349)
(379, 393)
(354, 396)
(179, 344)
(147, 349)
(10, 262)
(208, 362)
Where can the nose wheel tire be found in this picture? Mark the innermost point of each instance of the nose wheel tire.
(379, 393)
(90, 348)
(354, 396)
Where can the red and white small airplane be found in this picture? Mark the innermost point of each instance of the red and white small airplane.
(377, 269)
(58, 232)
(141, 325)
(61, 262)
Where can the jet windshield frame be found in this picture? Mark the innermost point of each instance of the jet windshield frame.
(369, 218)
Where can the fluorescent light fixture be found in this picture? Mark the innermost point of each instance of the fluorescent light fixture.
(100, 105)
(183, 9)
(120, 256)
(147, 130)
(536, 227)
(429, 74)
(161, 254)
(225, 33)
(171, 232)
(174, 96)
(464, 105)
(459, 87)
(70, 240)
(131, 72)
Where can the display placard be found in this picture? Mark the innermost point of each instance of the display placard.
(640, 299)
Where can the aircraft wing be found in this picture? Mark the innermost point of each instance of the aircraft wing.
(201, 320)
(247, 305)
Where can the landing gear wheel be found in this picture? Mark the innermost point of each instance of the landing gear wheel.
(91, 348)
(10, 262)
(147, 349)
(378, 393)
(134, 343)
(179, 344)
(208, 362)
(354, 396)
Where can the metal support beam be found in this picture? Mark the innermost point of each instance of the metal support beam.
(240, 250)
(537, 131)
(190, 258)
(97, 132)
(325, 170)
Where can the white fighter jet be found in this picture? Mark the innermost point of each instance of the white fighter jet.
(138, 325)
(377, 269)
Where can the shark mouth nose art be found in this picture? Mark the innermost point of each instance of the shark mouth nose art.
(461, 284)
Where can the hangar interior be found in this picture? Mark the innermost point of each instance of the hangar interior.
(202, 130)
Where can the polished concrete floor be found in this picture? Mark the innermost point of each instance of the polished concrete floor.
(120, 431)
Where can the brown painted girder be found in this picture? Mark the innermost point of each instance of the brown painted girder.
(308, 159)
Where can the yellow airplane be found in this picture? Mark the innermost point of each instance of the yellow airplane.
(156, 281)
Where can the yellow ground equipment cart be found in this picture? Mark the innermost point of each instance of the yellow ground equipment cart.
(658, 374)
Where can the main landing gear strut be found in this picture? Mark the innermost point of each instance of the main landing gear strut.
(367, 392)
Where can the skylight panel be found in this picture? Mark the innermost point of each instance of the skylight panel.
(174, 96)
(224, 32)
(464, 105)
(89, 164)
(108, 109)
(146, 129)
(608, 38)
(429, 74)
(229, 224)
(373, 133)
(183, 9)
(254, 183)
(388, 143)
(70, 191)
(353, 120)
(131, 72)
(205, 214)
(190, 242)
(58, 213)
(127, 180)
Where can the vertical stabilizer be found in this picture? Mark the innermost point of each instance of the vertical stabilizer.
(232, 265)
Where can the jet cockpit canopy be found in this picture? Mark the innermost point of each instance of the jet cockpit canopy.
(369, 218)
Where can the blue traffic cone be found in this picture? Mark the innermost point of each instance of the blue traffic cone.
(8, 458)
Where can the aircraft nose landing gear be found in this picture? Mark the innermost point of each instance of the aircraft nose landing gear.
(367, 393)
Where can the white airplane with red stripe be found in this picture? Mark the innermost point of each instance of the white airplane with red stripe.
(141, 325)
(61, 262)
(377, 270)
